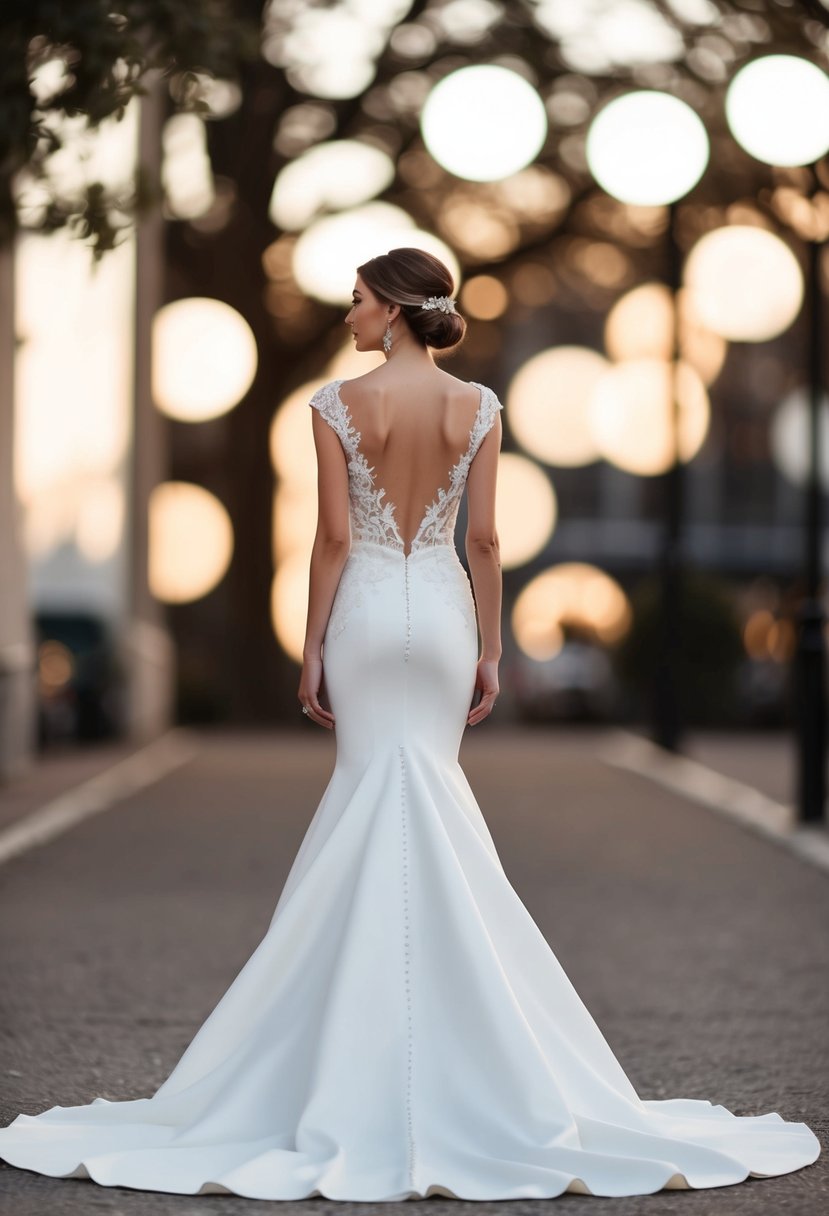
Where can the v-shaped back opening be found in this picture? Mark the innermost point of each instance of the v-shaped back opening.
(442, 491)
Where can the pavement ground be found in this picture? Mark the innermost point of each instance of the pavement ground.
(699, 946)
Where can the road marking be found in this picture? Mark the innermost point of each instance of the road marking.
(99, 793)
(774, 820)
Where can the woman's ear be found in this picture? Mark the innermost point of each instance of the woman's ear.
(392, 312)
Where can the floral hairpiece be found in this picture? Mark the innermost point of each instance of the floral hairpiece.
(444, 303)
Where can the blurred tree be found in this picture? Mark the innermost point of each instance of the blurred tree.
(100, 53)
(103, 51)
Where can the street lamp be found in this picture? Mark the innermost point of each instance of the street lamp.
(778, 110)
(650, 149)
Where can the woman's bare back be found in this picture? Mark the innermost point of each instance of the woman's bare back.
(412, 433)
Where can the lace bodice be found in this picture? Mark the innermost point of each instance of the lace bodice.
(372, 519)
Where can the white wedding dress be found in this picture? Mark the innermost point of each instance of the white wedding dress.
(403, 1029)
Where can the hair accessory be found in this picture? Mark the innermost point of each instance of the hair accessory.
(444, 303)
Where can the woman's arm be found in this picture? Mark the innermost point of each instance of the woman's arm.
(483, 555)
(328, 556)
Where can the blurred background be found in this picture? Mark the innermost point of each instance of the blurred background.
(634, 198)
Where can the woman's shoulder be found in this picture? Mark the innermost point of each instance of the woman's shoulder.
(328, 397)
(488, 395)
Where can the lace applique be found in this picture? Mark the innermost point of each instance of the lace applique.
(438, 524)
(444, 569)
(371, 518)
(362, 571)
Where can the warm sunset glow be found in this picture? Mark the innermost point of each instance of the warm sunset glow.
(745, 282)
(73, 403)
(525, 509)
(100, 519)
(548, 404)
(571, 594)
(632, 415)
(204, 358)
(483, 122)
(190, 542)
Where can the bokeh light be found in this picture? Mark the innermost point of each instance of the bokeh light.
(632, 415)
(745, 283)
(329, 50)
(55, 666)
(548, 404)
(778, 108)
(329, 177)
(483, 122)
(294, 521)
(105, 153)
(768, 637)
(574, 595)
(204, 358)
(525, 509)
(349, 362)
(479, 227)
(484, 297)
(647, 148)
(186, 171)
(328, 253)
(289, 603)
(291, 438)
(791, 438)
(598, 36)
(190, 541)
(640, 325)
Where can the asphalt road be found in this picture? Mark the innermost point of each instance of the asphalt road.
(700, 948)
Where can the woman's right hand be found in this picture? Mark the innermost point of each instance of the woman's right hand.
(486, 679)
(309, 692)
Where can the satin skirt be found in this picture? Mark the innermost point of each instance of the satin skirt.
(403, 1029)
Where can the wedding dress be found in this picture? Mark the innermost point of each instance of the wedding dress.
(403, 1029)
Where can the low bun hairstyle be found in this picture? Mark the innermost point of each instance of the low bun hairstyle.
(408, 277)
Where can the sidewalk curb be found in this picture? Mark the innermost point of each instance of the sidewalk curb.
(739, 802)
(99, 793)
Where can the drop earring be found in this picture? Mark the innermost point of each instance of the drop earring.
(387, 337)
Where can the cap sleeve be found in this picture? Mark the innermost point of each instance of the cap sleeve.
(485, 418)
(329, 403)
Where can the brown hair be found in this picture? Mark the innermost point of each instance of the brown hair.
(408, 277)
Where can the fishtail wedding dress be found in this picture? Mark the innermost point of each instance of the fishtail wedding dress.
(403, 1029)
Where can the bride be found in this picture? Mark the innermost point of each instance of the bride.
(403, 1029)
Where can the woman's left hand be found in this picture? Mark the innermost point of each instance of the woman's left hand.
(309, 690)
